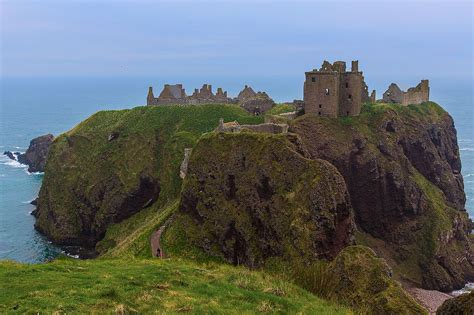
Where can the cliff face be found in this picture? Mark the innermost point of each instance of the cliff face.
(402, 169)
(35, 156)
(116, 163)
(251, 197)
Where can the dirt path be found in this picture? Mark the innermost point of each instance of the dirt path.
(430, 299)
(156, 249)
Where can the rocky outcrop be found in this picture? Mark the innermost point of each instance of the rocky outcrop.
(460, 305)
(402, 169)
(251, 197)
(365, 281)
(116, 163)
(35, 156)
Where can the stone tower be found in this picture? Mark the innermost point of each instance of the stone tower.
(332, 91)
(150, 99)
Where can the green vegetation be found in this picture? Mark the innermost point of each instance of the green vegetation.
(148, 286)
(280, 109)
(463, 304)
(89, 177)
(88, 170)
(250, 196)
(365, 282)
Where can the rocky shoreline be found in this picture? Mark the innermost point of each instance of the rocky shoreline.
(35, 156)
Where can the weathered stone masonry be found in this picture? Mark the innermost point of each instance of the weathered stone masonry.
(332, 91)
(414, 95)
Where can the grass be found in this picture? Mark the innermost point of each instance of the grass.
(280, 109)
(144, 286)
(86, 171)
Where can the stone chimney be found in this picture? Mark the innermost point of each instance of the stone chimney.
(150, 99)
(373, 97)
(355, 66)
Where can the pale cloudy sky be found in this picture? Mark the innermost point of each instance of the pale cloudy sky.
(276, 38)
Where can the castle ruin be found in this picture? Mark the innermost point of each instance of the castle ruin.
(332, 91)
(255, 103)
(414, 95)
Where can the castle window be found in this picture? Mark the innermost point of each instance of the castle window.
(313, 79)
(349, 96)
(327, 91)
(347, 84)
(347, 113)
(319, 113)
(320, 105)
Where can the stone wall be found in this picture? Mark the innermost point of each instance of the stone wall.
(414, 95)
(332, 91)
(262, 128)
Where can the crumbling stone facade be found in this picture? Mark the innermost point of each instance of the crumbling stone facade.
(414, 95)
(234, 126)
(332, 91)
(175, 94)
(255, 103)
(171, 94)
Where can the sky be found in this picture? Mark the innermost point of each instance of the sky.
(234, 38)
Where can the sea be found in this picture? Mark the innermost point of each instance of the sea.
(34, 106)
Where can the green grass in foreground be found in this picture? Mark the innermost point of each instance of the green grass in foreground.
(145, 286)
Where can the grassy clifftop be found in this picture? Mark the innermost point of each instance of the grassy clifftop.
(251, 198)
(149, 286)
(116, 163)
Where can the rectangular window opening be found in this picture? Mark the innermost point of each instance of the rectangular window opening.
(320, 105)
(349, 97)
(313, 79)
(347, 84)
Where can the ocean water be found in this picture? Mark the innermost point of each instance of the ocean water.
(35, 106)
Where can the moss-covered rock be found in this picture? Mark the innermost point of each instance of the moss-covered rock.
(116, 163)
(248, 197)
(365, 281)
(460, 305)
(402, 168)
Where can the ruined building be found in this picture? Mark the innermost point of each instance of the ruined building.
(332, 91)
(235, 127)
(175, 94)
(255, 103)
(171, 94)
(414, 95)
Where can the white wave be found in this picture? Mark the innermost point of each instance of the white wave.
(14, 163)
(469, 287)
(468, 175)
(467, 149)
(34, 173)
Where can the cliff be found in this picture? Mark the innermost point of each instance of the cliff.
(116, 163)
(252, 197)
(36, 154)
(402, 169)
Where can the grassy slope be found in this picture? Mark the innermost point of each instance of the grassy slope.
(164, 286)
(139, 284)
(177, 127)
